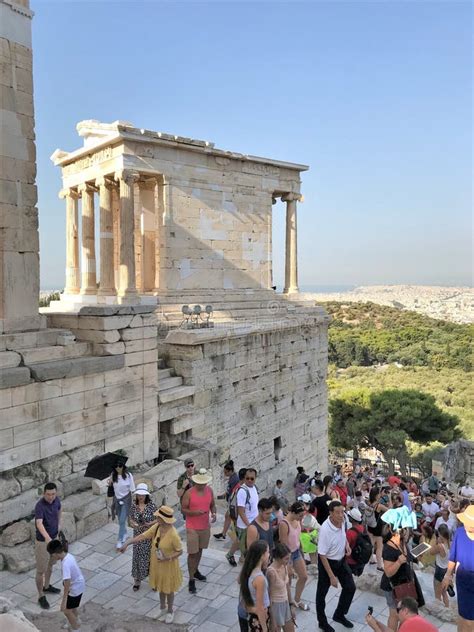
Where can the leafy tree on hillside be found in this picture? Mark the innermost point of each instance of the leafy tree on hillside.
(387, 420)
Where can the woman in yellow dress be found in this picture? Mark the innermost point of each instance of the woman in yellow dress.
(165, 573)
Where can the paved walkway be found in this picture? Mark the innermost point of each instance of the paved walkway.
(213, 609)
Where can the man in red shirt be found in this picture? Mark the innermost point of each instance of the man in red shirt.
(410, 620)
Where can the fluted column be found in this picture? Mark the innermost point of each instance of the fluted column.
(88, 263)
(291, 252)
(127, 180)
(73, 284)
(106, 276)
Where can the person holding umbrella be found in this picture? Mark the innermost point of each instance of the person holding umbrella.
(124, 486)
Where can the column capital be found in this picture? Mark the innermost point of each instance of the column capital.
(86, 187)
(292, 197)
(128, 176)
(104, 181)
(72, 193)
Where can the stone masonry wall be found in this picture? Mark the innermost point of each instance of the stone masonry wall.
(19, 241)
(260, 395)
(72, 410)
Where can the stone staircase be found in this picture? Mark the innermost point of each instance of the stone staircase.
(170, 386)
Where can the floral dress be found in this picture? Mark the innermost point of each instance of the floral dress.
(141, 550)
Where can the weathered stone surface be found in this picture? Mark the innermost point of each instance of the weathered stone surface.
(15, 534)
(14, 377)
(78, 366)
(75, 482)
(83, 504)
(9, 486)
(82, 456)
(29, 476)
(12, 619)
(57, 467)
(20, 558)
(21, 506)
(92, 522)
(9, 359)
(68, 524)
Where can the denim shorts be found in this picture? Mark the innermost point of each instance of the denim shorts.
(295, 555)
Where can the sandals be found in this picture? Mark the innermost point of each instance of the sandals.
(302, 606)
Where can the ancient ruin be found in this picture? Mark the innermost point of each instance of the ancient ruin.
(108, 366)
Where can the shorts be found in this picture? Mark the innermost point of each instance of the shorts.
(390, 599)
(280, 613)
(439, 573)
(73, 602)
(294, 555)
(44, 561)
(197, 539)
(242, 537)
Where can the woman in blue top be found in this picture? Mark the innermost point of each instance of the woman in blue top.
(254, 586)
(461, 562)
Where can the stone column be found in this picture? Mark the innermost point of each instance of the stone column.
(127, 180)
(88, 264)
(73, 282)
(106, 275)
(291, 253)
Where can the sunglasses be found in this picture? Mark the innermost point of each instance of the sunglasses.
(190, 465)
(250, 478)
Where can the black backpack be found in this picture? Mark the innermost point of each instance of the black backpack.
(363, 549)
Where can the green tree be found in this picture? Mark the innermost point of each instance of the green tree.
(387, 420)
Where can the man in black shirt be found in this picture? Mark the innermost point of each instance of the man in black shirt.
(320, 502)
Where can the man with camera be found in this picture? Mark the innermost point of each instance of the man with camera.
(410, 620)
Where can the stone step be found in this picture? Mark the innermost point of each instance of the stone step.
(30, 339)
(173, 394)
(165, 373)
(170, 382)
(55, 352)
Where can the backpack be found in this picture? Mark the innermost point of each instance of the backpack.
(233, 508)
(370, 518)
(362, 551)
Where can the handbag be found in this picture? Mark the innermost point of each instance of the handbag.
(408, 589)
(110, 491)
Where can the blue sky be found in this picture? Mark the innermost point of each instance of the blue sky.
(374, 96)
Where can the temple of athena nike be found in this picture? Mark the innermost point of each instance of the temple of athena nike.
(154, 222)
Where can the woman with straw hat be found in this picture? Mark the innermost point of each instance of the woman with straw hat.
(141, 518)
(461, 562)
(165, 573)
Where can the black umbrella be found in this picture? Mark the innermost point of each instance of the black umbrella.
(101, 466)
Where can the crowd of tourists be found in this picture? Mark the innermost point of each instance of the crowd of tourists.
(343, 523)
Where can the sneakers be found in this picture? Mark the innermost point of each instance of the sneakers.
(162, 615)
(119, 544)
(219, 536)
(191, 587)
(169, 617)
(343, 621)
(231, 559)
(201, 578)
(52, 590)
(43, 603)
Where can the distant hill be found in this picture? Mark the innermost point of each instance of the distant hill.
(454, 304)
(366, 334)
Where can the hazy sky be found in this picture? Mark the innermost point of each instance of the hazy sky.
(374, 96)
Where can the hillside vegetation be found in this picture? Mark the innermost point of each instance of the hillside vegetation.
(368, 343)
(366, 334)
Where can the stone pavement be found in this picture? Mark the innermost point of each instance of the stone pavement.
(213, 609)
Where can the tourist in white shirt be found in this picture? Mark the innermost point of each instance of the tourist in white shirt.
(467, 491)
(73, 581)
(447, 519)
(247, 511)
(124, 486)
(429, 507)
(332, 567)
